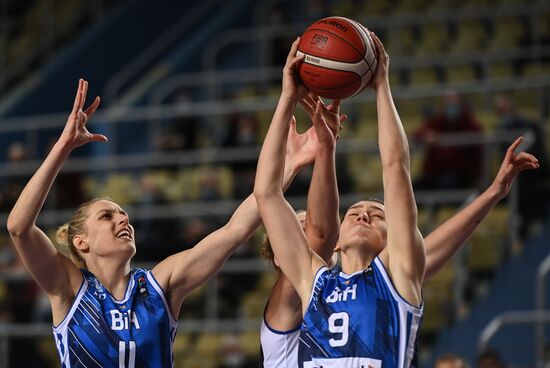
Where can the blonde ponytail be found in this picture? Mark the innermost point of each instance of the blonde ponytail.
(65, 233)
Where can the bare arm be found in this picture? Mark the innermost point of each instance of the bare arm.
(181, 273)
(283, 309)
(405, 250)
(322, 219)
(285, 233)
(442, 243)
(56, 274)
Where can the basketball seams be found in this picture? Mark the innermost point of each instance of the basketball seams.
(371, 45)
(367, 38)
(343, 39)
(325, 64)
(349, 43)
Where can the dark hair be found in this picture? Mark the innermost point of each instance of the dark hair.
(370, 199)
(452, 358)
(492, 355)
(267, 251)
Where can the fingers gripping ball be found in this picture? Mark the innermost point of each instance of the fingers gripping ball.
(340, 57)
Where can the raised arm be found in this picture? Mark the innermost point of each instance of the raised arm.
(183, 272)
(56, 274)
(442, 243)
(322, 219)
(283, 309)
(405, 250)
(285, 233)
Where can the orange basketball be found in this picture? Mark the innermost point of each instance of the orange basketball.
(340, 57)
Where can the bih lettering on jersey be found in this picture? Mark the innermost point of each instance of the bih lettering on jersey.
(99, 331)
(358, 320)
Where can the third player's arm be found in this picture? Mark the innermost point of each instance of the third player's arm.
(182, 272)
(322, 219)
(442, 243)
(285, 233)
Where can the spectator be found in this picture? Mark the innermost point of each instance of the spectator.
(243, 131)
(489, 358)
(183, 133)
(450, 361)
(533, 192)
(449, 166)
(12, 185)
(233, 354)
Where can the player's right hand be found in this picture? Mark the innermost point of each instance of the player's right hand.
(512, 164)
(292, 86)
(75, 133)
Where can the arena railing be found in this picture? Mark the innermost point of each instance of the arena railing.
(540, 300)
(157, 48)
(528, 317)
(264, 34)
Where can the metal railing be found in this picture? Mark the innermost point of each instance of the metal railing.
(540, 301)
(512, 318)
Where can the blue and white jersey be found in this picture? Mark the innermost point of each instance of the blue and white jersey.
(358, 320)
(102, 332)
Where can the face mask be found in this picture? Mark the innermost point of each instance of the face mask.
(235, 359)
(507, 119)
(452, 112)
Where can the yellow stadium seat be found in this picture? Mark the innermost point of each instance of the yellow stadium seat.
(401, 41)
(472, 36)
(537, 70)
(500, 70)
(460, 73)
(423, 76)
(122, 188)
(250, 341)
(435, 40)
(253, 304)
(412, 6)
(208, 344)
(485, 246)
(508, 31)
(367, 172)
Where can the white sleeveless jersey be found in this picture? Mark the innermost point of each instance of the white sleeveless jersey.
(279, 349)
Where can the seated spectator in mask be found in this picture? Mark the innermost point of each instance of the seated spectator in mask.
(449, 166)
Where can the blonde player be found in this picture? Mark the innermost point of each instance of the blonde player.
(106, 314)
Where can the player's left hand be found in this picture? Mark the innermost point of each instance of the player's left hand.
(326, 119)
(511, 166)
(300, 148)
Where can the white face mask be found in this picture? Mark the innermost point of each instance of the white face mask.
(234, 359)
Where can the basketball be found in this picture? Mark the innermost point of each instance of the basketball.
(340, 57)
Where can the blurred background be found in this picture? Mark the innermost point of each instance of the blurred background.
(188, 90)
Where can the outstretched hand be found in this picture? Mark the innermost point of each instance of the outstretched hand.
(300, 148)
(326, 120)
(511, 166)
(382, 70)
(75, 133)
(292, 86)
